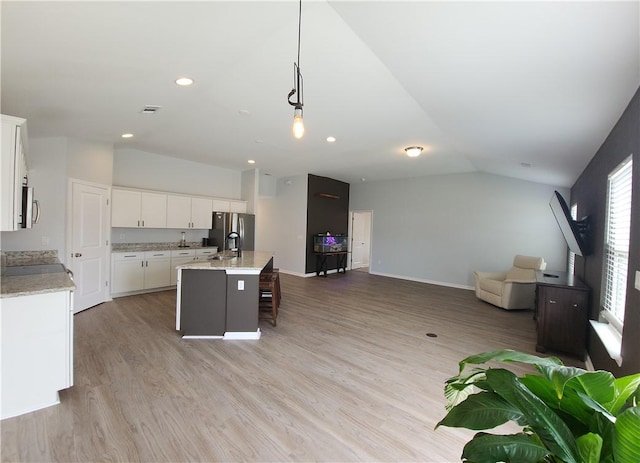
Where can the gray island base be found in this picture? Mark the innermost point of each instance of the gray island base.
(218, 299)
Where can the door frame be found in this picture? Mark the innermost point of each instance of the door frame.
(68, 260)
(351, 215)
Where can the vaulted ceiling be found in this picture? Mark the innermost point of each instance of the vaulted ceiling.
(522, 89)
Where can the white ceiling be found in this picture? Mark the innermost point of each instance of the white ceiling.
(483, 86)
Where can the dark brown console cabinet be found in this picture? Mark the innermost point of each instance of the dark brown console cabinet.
(562, 302)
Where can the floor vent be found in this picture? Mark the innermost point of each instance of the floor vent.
(432, 335)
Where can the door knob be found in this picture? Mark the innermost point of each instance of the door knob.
(78, 254)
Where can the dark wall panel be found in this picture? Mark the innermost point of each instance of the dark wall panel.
(327, 211)
(589, 192)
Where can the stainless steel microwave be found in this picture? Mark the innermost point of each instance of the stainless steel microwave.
(30, 208)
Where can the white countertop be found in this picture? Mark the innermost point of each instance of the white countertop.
(251, 262)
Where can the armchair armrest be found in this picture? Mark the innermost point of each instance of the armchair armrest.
(491, 275)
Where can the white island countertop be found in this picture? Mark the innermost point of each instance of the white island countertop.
(250, 262)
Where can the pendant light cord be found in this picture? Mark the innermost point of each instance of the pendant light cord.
(299, 29)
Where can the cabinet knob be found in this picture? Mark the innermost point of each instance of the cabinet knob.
(78, 254)
(551, 301)
(575, 305)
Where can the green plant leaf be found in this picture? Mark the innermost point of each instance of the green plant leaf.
(507, 355)
(571, 403)
(553, 432)
(589, 446)
(596, 384)
(489, 448)
(625, 387)
(484, 410)
(626, 438)
(597, 407)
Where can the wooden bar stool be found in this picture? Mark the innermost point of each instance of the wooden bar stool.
(269, 291)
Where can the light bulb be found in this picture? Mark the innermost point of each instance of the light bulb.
(298, 123)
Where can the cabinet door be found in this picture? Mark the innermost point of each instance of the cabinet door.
(238, 206)
(153, 210)
(564, 320)
(125, 208)
(201, 213)
(11, 182)
(157, 273)
(220, 205)
(178, 211)
(128, 273)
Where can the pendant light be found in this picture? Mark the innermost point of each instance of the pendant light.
(298, 123)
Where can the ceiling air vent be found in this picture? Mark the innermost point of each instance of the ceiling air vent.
(150, 109)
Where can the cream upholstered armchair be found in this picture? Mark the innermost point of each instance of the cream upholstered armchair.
(514, 289)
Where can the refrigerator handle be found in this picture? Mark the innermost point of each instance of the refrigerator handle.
(241, 226)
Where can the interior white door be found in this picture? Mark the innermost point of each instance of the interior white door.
(89, 244)
(360, 239)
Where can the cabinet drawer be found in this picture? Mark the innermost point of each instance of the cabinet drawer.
(119, 256)
(157, 254)
(183, 253)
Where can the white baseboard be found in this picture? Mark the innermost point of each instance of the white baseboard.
(420, 280)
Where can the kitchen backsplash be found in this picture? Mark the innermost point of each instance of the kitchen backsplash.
(155, 235)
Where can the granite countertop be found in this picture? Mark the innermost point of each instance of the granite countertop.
(26, 285)
(251, 262)
(141, 247)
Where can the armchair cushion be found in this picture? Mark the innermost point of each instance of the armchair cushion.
(514, 289)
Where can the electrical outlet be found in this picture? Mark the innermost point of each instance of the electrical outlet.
(240, 285)
(45, 240)
(121, 236)
(638, 280)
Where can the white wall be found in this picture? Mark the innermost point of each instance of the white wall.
(282, 224)
(441, 229)
(90, 161)
(249, 189)
(51, 162)
(47, 175)
(140, 169)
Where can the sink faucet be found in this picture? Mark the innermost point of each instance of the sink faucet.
(235, 236)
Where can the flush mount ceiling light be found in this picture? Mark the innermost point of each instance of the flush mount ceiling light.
(413, 151)
(331, 139)
(251, 161)
(184, 81)
(127, 135)
(150, 109)
(298, 123)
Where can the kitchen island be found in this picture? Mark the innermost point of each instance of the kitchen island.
(218, 298)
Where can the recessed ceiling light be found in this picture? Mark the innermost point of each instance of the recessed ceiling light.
(363, 179)
(251, 161)
(127, 135)
(413, 151)
(331, 139)
(184, 81)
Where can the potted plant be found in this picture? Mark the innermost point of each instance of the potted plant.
(567, 414)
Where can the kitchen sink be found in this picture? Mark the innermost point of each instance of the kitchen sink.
(221, 257)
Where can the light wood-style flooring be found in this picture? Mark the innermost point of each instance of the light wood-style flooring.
(347, 375)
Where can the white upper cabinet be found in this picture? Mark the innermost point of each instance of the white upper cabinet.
(188, 212)
(238, 206)
(220, 205)
(201, 209)
(13, 171)
(138, 209)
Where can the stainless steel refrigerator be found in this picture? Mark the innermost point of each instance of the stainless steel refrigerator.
(224, 223)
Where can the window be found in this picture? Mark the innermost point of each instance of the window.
(616, 245)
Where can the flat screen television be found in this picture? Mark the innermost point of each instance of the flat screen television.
(574, 231)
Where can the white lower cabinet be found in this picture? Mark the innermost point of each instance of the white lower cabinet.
(157, 269)
(136, 271)
(37, 351)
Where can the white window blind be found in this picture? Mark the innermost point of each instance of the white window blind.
(616, 245)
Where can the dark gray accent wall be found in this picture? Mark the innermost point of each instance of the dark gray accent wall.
(589, 193)
(325, 214)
